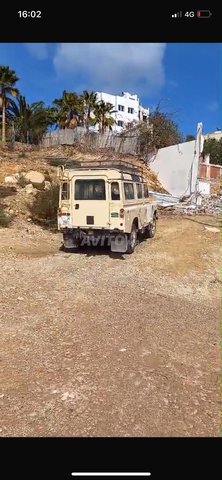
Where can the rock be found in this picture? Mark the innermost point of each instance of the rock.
(47, 185)
(11, 179)
(36, 178)
(29, 188)
(199, 201)
(212, 229)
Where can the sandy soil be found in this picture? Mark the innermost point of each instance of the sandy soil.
(93, 344)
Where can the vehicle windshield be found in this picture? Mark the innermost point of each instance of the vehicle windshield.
(90, 190)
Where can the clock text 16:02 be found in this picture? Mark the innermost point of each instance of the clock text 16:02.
(32, 14)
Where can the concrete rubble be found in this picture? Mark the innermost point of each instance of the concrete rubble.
(190, 205)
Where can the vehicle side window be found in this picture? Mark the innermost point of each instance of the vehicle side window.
(139, 190)
(115, 194)
(65, 191)
(145, 190)
(128, 191)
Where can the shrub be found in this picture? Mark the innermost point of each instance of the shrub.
(72, 164)
(44, 207)
(47, 175)
(4, 219)
(56, 162)
(22, 155)
(22, 181)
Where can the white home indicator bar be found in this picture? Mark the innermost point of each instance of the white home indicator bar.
(111, 474)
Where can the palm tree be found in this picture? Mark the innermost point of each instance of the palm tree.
(30, 121)
(89, 102)
(102, 114)
(8, 78)
(69, 107)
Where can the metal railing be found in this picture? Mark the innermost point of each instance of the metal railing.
(121, 165)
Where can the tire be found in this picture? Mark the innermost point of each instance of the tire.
(132, 239)
(151, 229)
(69, 243)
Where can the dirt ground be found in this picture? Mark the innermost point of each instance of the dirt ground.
(93, 344)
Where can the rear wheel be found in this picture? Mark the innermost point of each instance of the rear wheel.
(151, 229)
(69, 242)
(132, 239)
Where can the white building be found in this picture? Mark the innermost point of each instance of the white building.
(127, 109)
(217, 135)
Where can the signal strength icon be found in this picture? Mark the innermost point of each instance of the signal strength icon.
(177, 15)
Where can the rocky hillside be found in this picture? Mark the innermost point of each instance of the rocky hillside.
(17, 162)
(24, 158)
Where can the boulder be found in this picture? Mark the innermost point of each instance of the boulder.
(11, 179)
(29, 188)
(36, 178)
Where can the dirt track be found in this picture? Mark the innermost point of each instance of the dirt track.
(97, 345)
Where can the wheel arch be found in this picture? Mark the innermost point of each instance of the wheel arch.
(135, 222)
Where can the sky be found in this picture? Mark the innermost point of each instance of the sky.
(185, 79)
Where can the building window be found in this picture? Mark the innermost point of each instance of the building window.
(130, 110)
(128, 191)
(121, 108)
(139, 190)
(120, 123)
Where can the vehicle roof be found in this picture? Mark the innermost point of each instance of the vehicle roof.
(111, 168)
(110, 173)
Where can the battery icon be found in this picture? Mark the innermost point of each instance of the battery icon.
(204, 14)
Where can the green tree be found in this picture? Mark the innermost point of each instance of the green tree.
(165, 130)
(8, 78)
(89, 103)
(213, 148)
(160, 131)
(102, 114)
(189, 138)
(70, 109)
(30, 121)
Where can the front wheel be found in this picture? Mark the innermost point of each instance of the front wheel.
(132, 239)
(151, 229)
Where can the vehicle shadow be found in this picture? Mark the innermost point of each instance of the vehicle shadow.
(94, 251)
(218, 225)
